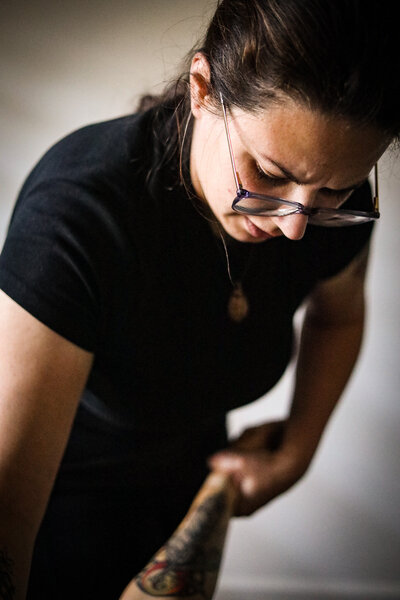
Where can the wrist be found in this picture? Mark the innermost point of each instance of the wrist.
(300, 444)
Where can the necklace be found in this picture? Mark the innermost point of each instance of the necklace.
(238, 303)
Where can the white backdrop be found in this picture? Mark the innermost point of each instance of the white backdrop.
(337, 533)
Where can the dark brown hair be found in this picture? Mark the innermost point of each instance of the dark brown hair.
(336, 56)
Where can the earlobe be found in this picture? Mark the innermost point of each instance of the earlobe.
(199, 83)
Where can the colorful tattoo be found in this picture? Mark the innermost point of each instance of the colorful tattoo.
(7, 588)
(181, 567)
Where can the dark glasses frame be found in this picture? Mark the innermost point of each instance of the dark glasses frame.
(328, 217)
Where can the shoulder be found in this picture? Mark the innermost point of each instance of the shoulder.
(86, 178)
(69, 237)
(93, 151)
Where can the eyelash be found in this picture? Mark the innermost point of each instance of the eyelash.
(279, 181)
(270, 178)
(334, 194)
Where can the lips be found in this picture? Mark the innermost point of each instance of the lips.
(255, 231)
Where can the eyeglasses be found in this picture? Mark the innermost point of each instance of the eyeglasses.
(250, 203)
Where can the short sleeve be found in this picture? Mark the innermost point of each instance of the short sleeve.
(61, 254)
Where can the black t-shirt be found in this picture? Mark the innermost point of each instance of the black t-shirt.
(135, 274)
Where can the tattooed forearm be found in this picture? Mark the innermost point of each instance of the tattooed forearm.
(184, 566)
(185, 547)
(7, 589)
(187, 566)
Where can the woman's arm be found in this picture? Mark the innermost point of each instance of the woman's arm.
(187, 565)
(42, 376)
(267, 460)
(330, 343)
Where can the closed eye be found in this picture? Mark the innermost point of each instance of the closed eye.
(339, 195)
(271, 179)
(336, 193)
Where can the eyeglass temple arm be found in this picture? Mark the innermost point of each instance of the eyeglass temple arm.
(235, 173)
(376, 196)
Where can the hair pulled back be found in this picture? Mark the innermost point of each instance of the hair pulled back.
(336, 56)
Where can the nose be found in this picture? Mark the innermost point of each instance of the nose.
(292, 226)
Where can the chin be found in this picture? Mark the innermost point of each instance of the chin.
(234, 226)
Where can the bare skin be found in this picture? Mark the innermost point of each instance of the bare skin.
(42, 376)
(327, 158)
(267, 460)
(187, 565)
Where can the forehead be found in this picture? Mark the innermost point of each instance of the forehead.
(309, 143)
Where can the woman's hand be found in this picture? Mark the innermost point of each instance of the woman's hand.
(262, 464)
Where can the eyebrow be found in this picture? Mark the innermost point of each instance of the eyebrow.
(291, 177)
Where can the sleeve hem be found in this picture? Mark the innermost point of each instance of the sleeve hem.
(69, 326)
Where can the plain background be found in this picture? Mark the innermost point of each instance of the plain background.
(337, 533)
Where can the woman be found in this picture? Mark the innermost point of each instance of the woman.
(138, 306)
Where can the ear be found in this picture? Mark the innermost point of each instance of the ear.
(199, 84)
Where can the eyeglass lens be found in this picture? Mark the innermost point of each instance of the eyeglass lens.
(256, 206)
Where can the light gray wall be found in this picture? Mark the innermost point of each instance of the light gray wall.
(65, 64)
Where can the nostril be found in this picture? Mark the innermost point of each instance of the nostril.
(293, 226)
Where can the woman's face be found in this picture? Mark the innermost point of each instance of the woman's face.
(287, 151)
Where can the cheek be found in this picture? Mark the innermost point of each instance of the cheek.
(218, 178)
(219, 190)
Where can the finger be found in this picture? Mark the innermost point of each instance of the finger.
(267, 435)
(226, 461)
(244, 471)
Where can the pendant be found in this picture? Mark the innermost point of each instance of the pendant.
(238, 305)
